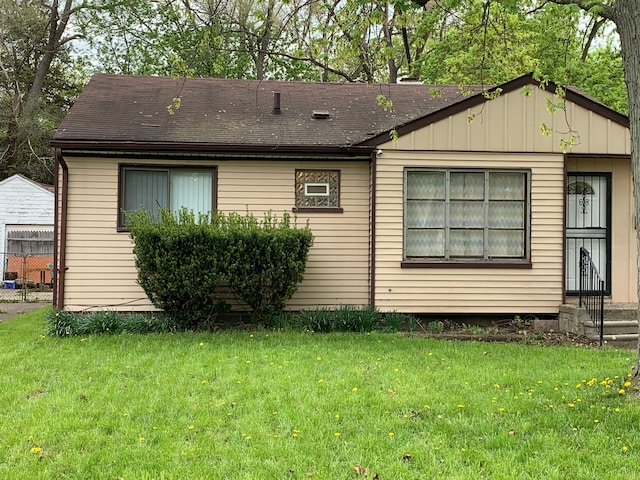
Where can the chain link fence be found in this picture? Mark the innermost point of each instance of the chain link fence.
(26, 277)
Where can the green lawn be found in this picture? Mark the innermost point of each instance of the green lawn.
(272, 405)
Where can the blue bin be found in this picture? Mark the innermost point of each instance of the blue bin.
(11, 284)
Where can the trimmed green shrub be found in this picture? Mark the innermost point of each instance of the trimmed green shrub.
(183, 262)
(178, 262)
(265, 261)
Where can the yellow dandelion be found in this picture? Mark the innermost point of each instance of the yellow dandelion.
(336, 434)
(36, 449)
(460, 405)
(191, 427)
(390, 434)
(625, 448)
(596, 421)
(627, 383)
(201, 344)
(318, 358)
(354, 389)
(621, 391)
(142, 439)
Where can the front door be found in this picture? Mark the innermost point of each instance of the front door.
(588, 225)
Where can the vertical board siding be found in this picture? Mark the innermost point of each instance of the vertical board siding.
(511, 123)
(100, 265)
(469, 290)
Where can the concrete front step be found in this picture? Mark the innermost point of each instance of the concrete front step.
(629, 340)
(619, 327)
(617, 333)
(618, 313)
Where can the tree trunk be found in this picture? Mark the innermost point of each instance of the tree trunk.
(626, 15)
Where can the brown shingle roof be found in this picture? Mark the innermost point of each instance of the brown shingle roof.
(114, 108)
(122, 111)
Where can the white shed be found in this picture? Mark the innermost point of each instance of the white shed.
(26, 228)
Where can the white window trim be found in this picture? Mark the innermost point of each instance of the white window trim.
(326, 192)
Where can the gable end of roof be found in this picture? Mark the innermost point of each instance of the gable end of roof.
(571, 94)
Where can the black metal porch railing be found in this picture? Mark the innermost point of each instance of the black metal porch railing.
(591, 292)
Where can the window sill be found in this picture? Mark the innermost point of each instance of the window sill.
(480, 264)
(317, 210)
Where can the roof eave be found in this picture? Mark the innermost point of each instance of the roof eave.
(188, 147)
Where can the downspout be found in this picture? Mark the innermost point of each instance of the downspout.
(564, 229)
(60, 229)
(372, 244)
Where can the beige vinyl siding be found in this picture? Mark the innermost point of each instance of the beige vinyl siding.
(100, 265)
(511, 123)
(100, 272)
(338, 267)
(624, 272)
(471, 290)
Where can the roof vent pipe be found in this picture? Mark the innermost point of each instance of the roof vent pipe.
(276, 103)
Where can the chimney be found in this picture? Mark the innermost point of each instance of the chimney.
(276, 103)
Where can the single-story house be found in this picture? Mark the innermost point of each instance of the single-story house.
(26, 230)
(421, 199)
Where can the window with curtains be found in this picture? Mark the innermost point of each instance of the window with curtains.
(453, 215)
(153, 188)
